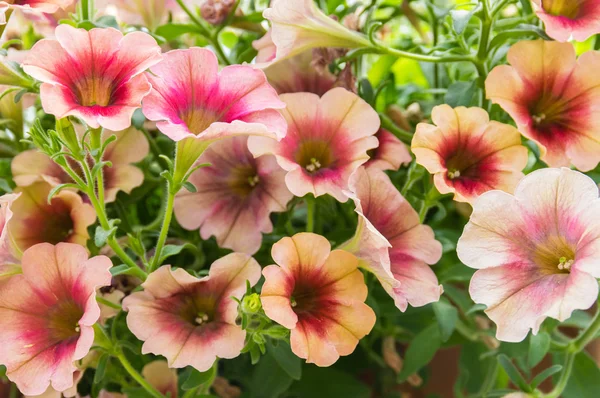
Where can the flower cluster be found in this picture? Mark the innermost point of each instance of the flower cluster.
(194, 189)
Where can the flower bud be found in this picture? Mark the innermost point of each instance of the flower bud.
(215, 12)
(251, 304)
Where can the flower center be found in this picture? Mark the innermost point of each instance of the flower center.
(565, 264)
(554, 255)
(452, 174)
(57, 225)
(197, 119)
(63, 320)
(197, 308)
(244, 180)
(314, 156)
(562, 8)
(546, 111)
(92, 91)
(202, 318)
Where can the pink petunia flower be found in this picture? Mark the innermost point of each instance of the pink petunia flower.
(43, 6)
(157, 374)
(191, 98)
(65, 219)
(8, 251)
(554, 99)
(131, 146)
(95, 75)
(234, 196)
(319, 295)
(536, 252)
(391, 241)
(44, 329)
(391, 153)
(300, 25)
(327, 139)
(469, 154)
(188, 320)
(148, 13)
(564, 19)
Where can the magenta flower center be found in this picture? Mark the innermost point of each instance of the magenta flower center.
(92, 91)
(547, 112)
(562, 8)
(63, 320)
(55, 224)
(554, 255)
(314, 155)
(461, 161)
(244, 180)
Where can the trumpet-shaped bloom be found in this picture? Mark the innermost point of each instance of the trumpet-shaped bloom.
(299, 25)
(391, 153)
(391, 241)
(564, 19)
(148, 13)
(554, 99)
(319, 295)
(95, 75)
(469, 154)
(8, 252)
(327, 139)
(131, 146)
(536, 252)
(188, 320)
(44, 329)
(191, 98)
(43, 6)
(161, 377)
(234, 196)
(65, 219)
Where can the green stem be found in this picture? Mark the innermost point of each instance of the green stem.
(310, 213)
(164, 230)
(85, 10)
(136, 376)
(389, 125)
(13, 391)
(107, 303)
(564, 377)
(589, 333)
(380, 49)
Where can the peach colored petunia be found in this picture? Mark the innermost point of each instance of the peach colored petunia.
(234, 196)
(300, 25)
(161, 377)
(537, 252)
(190, 97)
(9, 263)
(131, 146)
(579, 19)
(41, 6)
(188, 320)
(65, 219)
(391, 241)
(468, 154)
(44, 329)
(327, 139)
(95, 75)
(391, 153)
(319, 295)
(554, 98)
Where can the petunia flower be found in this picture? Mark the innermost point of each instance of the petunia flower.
(391, 242)
(161, 377)
(188, 320)
(68, 393)
(469, 154)
(319, 295)
(131, 146)
(300, 25)
(564, 19)
(148, 13)
(536, 252)
(65, 219)
(553, 98)
(391, 153)
(43, 6)
(327, 139)
(44, 329)
(9, 263)
(234, 196)
(95, 75)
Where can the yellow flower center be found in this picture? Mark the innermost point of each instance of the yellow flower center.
(452, 174)
(562, 8)
(314, 155)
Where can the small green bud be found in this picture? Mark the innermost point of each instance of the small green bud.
(251, 304)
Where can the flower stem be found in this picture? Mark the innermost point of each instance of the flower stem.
(310, 213)
(136, 376)
(164, 230)
(564, 377)
(589, 334)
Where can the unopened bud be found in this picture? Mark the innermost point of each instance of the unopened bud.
(215, 12)
(251, 304)
(346, 79)
(397, 115)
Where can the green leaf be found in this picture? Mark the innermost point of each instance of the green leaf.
(54, 191)
(229, 39)
(196, 378)
(543, 375)
(102, 235)
(585, 378)
(289, 362)
(328, 383)
(538, 348)
(446, 315)
(513, 373)
(460, 93)
(101, 368)
(421, 350)
(520, 32)
(173, 250)
(172, 31)
(269, 380)
(461, 18)
(526, 4)
(190, 187)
